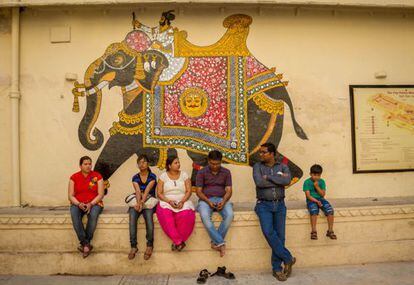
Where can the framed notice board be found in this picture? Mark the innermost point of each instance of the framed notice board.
(382, 119)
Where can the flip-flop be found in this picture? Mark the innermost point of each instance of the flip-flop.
(181, 246)
(221, 271)
(202, 277)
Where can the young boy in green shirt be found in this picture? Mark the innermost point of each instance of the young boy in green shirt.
(315, 190)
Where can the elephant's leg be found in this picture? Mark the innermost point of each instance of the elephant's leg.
(199, 161)
(263, 127)
(116, 151)
(295, 171)
(154, 154)
(280, 93)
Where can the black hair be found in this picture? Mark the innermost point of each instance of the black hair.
(169, 16)
(170, 160)
(215, 155)
(144, 157)
(83, 158)
(316, 169)
(270, 147)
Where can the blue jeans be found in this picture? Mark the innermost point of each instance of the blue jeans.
(85, 235)
(272, 216)
(217, 235)
(149, 225)
(313, 208)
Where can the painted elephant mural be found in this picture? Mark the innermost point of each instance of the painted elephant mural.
(180, 95)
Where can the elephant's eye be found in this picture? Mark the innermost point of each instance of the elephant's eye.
(117, 60)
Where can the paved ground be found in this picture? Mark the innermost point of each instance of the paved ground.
(401, 273)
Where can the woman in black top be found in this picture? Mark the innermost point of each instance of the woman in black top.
(144, 183)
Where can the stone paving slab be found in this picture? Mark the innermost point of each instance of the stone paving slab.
(401, 273)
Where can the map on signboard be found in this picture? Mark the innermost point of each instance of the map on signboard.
(383, 128)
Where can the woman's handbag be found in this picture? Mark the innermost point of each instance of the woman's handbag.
(131, 201)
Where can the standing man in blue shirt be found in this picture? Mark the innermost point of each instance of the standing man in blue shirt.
(270, 178)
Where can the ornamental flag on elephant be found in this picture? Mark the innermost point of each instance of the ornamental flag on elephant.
(180, 95)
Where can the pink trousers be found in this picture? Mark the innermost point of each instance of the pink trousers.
(177, 226)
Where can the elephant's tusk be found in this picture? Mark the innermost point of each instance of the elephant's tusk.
(108, 77)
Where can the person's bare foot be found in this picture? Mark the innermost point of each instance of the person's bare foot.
(215, 247)
(87, 250)
(222, 250)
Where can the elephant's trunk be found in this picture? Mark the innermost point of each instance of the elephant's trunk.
(86, 126)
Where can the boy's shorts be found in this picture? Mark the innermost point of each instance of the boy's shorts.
(313, 208)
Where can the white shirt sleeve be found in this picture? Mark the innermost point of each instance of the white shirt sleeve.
(184, 175)
(163, 177)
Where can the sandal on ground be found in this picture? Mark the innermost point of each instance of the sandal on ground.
(148, 252)
(221, 271)
(87, 248)
(202, 277)
(331, 234)
(173, 247)
(132, 253)
(314, 235)
(80, 248)
(181, 246)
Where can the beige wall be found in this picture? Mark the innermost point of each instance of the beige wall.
(5, 61)
(319, 53)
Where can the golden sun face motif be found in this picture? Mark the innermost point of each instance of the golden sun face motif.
(194, 102)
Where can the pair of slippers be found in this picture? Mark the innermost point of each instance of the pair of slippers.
(221, 271)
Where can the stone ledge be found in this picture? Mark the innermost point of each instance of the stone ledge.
(364, 208)
(41, 240)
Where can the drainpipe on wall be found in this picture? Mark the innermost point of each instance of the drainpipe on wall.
(15, 102)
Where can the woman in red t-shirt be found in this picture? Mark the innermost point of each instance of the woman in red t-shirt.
(85, 193)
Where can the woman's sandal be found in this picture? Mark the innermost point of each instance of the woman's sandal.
(132, 253)
(148, 252)
(173, 247)
(87, 252)
(181, 246)
(202, 277)
(331, 234)
(221, 271)
(314, 235)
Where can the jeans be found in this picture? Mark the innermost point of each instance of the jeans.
(272, 216)
(217, 235)
(149, 225)
(313, 208)
(85, 235)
